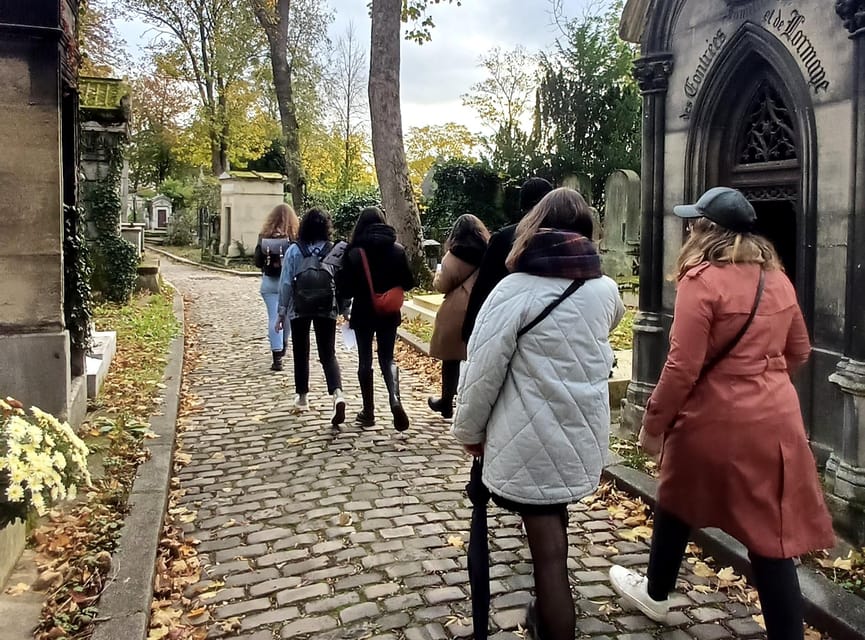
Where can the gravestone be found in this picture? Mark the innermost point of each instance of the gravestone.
(621, 238)
(582, 183)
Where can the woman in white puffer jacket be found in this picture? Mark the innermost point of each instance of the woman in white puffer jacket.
(534, 399)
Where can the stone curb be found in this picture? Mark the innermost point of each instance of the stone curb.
(828, 607)
(201, 265)
(413, 341)
(124, 609)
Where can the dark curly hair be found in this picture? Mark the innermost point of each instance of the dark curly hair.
(316, 226)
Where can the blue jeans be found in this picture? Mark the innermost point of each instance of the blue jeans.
(270, 293)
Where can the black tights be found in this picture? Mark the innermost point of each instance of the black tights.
(548, 543)
(775, 578)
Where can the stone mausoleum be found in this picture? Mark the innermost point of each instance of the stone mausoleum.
(767, 96)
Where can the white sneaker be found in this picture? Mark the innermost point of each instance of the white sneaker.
(301, 403)
(338, 416)
(633, 587)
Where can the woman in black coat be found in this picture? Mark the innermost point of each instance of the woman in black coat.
(389, 268)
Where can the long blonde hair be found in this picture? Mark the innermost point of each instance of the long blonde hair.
(281, 222)
(710, 242)
(561, 208)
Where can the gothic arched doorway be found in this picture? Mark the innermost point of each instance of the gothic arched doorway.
(753, 129)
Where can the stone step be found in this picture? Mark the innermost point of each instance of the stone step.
(412, 310)
(431, 301)
(99, 360)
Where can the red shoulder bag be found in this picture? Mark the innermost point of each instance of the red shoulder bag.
(386, 303)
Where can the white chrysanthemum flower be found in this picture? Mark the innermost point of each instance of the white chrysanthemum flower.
(17, 427)
(38, 503)
(72, 492)
(59, 460)
(14, 493)
(17, 473)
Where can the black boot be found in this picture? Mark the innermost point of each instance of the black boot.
(533, 627)
(391, 379)
(450, 382)
(366, 418)
(277, 360)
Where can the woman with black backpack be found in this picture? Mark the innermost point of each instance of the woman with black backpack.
(375, 273)
(277, 234)
(307, 297)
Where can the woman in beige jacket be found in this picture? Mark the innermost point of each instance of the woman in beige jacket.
(465, 248)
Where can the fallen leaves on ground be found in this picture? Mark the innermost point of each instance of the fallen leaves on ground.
(848, 570)
(426, 371)
(179, 611)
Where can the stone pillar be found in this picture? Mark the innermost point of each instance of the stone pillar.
(650, 342)
(846, 467)
(35, 38)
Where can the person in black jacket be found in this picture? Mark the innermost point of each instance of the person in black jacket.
(389, 268)
(493, 269)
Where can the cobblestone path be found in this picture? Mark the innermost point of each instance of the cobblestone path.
(356, 534)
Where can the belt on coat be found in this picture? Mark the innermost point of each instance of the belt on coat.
(752, 368)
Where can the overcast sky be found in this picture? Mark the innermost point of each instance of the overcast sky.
(436, 74)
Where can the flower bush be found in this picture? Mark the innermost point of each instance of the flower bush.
(42, 461)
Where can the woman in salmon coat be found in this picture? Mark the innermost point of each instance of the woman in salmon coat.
(726, 418)
(465, 248)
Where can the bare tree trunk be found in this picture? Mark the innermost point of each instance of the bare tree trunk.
(275, 25)
(388, 148)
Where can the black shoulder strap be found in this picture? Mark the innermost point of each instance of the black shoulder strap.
(304, 250)
(576, 284)
(723, 353)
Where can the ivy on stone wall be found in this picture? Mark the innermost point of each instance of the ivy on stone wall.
(77, 271)
(115, 261)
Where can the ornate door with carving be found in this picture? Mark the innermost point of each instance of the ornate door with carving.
(760, 157)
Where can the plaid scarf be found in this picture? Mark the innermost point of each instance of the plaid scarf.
(560, 254)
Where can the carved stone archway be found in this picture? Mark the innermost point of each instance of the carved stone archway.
(753, 128)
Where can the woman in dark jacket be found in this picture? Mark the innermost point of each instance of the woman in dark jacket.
(389, 268)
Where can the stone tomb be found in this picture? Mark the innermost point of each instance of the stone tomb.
(246, 199)
(767, 96)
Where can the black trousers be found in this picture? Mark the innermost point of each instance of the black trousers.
(325, 338)
(775, 578)
(450, 379)
(386, 339)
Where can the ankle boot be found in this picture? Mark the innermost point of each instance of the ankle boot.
(277, 360)
(443, 405)
(450, 382)
(366, 417)
(391, 379)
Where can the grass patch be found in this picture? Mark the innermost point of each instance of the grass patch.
(144, 327)
(622, 338)
(419, 328)
(633, 456)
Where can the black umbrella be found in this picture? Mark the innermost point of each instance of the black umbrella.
(479, 551)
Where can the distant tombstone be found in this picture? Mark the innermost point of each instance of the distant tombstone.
(621, 238)
(582, 183)
(597, 226)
